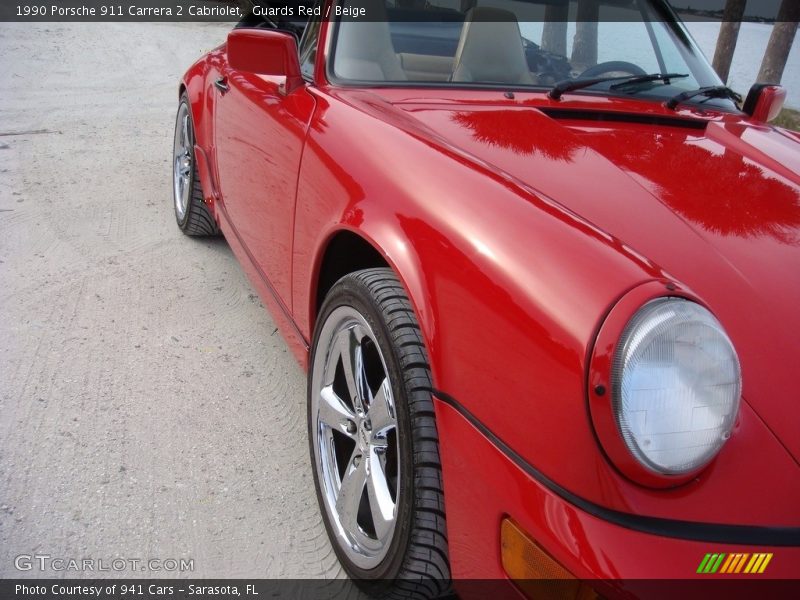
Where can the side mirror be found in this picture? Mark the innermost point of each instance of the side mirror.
(265, 52)
(764, 101)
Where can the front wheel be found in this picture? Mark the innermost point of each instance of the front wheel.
(373, 438)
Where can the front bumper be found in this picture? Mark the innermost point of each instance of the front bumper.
(484, 485)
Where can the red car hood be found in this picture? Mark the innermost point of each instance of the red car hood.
(715, 205)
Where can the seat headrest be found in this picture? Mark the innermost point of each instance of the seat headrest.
(490, 48)
(364, 49)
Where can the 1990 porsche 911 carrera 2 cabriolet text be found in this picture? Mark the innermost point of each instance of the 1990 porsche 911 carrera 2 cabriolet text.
(545, 286)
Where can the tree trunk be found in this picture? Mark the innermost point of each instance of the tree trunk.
(584, 44)
(728, 34)
(554, 34)
(780, 43)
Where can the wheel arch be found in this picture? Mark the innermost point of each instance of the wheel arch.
(347, 249)
(193, 84)
(344, 253)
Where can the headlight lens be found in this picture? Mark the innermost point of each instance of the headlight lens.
(676, 385)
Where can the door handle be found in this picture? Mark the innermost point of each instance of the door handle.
(221, 85)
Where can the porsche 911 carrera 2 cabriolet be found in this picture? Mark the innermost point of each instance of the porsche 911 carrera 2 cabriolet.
(543, 272)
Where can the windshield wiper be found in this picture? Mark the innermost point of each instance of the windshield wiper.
(569, 85)
(665, 77)
(714, 91)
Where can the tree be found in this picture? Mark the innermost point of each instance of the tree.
(554, 33)
(584, 44)
(728, 34)
(780, 42)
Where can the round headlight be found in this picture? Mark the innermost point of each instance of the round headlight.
(676, 385)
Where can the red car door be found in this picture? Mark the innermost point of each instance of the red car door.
(260, 134)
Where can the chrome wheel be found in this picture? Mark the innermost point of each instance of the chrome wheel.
(183, 154)
(355, 437)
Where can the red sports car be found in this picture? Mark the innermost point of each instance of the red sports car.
(544, 274)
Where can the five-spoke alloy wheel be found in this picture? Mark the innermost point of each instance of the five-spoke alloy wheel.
(356, 438)
(373, 439)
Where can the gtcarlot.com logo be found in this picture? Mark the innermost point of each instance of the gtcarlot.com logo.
(741, 562)
(46, 562)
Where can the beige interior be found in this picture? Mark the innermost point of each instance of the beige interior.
(424, 67)
(490, 48)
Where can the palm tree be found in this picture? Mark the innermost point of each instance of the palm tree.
(554, 34)
(517, 132)
(728, 34)
(584, 45)
(780, 42)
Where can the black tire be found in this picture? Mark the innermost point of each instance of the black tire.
(196, 220)
(417, 564)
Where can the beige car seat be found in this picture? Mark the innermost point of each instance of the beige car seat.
(490, 49)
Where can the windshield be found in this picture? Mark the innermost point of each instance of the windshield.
(520, 44)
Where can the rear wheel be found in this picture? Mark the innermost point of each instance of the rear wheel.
(373, 439)
(191, 212)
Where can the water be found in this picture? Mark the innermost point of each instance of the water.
(752, 43)
(618, 39)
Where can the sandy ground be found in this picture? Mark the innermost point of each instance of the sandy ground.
(148, 407)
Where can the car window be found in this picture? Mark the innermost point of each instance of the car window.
(534, 43)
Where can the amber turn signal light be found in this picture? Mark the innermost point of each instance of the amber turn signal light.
(535, 572)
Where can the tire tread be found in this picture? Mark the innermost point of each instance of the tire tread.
(425, 572)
